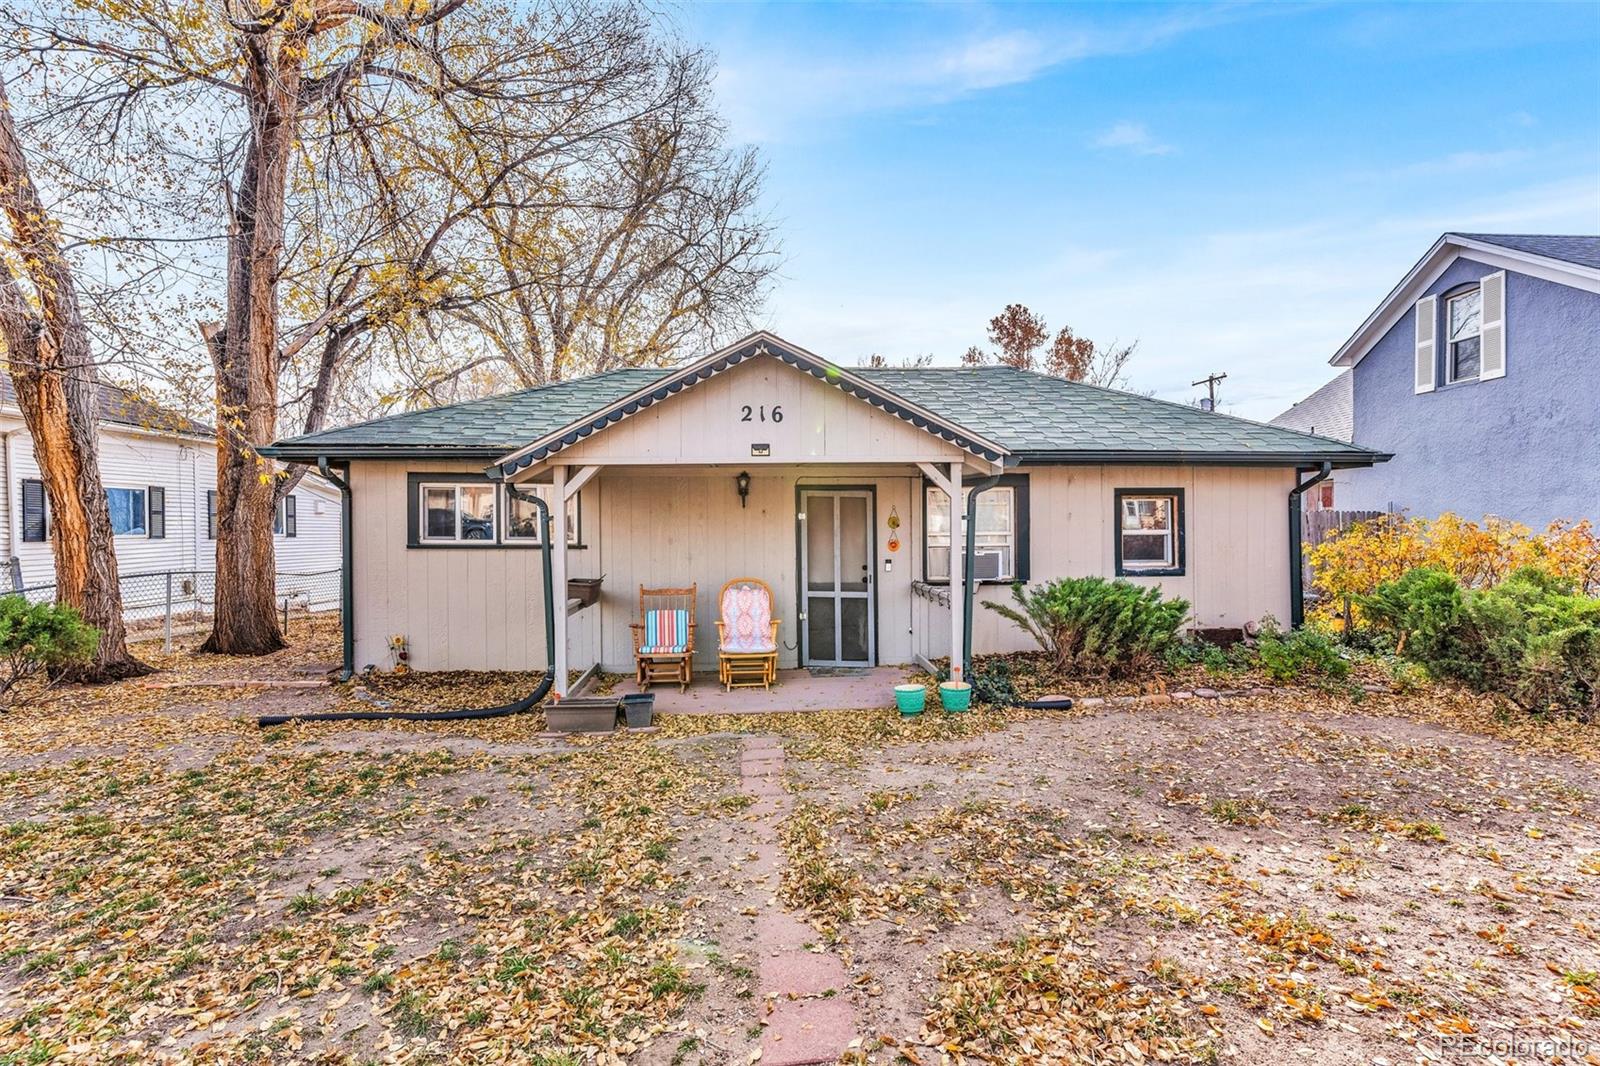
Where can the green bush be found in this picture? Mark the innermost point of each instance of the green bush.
(1299, 654)
(1531, 638)
(1421, 609)
(1215, 658)
(35, 637)
(993, 684)
(1092, 626)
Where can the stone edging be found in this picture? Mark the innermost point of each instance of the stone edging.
(1193, 694)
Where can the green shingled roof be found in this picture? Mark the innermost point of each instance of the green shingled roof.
(1047, 418)
(1035, 417)
(476, 428)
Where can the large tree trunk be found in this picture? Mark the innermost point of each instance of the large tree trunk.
(245, 355)
(53, 370)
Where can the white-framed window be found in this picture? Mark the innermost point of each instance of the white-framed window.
(127, 511)
(994, 543)
(1149, 531)
(456, 513)
(1463, 323)
(522, 517)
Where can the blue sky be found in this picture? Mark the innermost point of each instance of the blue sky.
(1234, 186)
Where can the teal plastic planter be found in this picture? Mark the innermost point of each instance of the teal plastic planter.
(955, 695)
(910, 698)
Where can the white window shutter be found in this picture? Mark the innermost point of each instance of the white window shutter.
(1427, 331)
(1493, 328)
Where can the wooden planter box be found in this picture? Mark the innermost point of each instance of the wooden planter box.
(585, 714)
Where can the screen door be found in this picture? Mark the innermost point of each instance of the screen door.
(838, 625)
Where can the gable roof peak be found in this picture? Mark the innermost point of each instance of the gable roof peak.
(761, 343)
(1571, 260)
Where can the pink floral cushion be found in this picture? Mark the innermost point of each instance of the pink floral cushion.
(746, 620)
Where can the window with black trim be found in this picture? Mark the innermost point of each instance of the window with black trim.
(522, 517)
(1000, 541)
(1150, 532)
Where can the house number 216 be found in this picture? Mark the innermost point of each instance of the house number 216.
(761, 414)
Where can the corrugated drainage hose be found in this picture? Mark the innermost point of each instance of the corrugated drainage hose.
(522, 706)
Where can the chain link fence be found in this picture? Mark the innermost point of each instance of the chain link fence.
(164, 602)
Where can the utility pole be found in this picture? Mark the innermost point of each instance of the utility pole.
(1210, 382)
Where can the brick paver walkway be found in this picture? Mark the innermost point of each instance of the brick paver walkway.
(811, 1020)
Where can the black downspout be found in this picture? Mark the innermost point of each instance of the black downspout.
(347, 541)
(525, 704)
(969, 586)
(1297, 603)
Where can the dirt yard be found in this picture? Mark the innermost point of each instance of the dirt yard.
(1279, 879)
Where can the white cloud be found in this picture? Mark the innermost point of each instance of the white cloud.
(1459, 163)
(1132, 137)
(782, 88)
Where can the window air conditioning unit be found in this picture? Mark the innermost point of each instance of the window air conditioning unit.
(986, 566)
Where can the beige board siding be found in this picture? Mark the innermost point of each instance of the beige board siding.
(481, 608)
(467, 608)
(1237, 559)
(707, 423)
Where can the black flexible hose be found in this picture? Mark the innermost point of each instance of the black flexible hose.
(522, 706)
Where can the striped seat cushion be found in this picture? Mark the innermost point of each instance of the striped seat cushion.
(666, 632)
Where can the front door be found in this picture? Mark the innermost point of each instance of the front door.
(838, 624)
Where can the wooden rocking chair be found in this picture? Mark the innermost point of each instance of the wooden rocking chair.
(663, 637)
(747, 635)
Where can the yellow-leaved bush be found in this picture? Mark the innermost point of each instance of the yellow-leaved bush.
(1354, 561)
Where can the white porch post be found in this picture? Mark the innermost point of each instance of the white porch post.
(558, 574)
(958, 558)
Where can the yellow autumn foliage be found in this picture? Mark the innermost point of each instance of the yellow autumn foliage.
(1356, 560)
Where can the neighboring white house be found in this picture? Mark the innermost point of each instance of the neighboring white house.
(160, 473)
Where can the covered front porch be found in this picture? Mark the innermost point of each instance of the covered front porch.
(766, 464)
(841, 549)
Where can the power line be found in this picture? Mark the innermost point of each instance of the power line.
(1210, 382)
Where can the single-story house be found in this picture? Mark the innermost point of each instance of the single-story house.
(838, 486)
(159, 469)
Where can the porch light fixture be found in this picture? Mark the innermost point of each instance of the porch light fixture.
(743, 481)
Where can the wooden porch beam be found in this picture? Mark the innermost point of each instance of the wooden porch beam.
(579, 480)
(933, 474)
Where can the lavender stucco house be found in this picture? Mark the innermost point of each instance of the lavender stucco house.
(1480, 372)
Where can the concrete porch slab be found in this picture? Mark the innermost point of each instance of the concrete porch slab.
(796, 690)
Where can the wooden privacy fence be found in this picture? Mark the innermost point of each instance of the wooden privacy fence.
(1318, 526)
